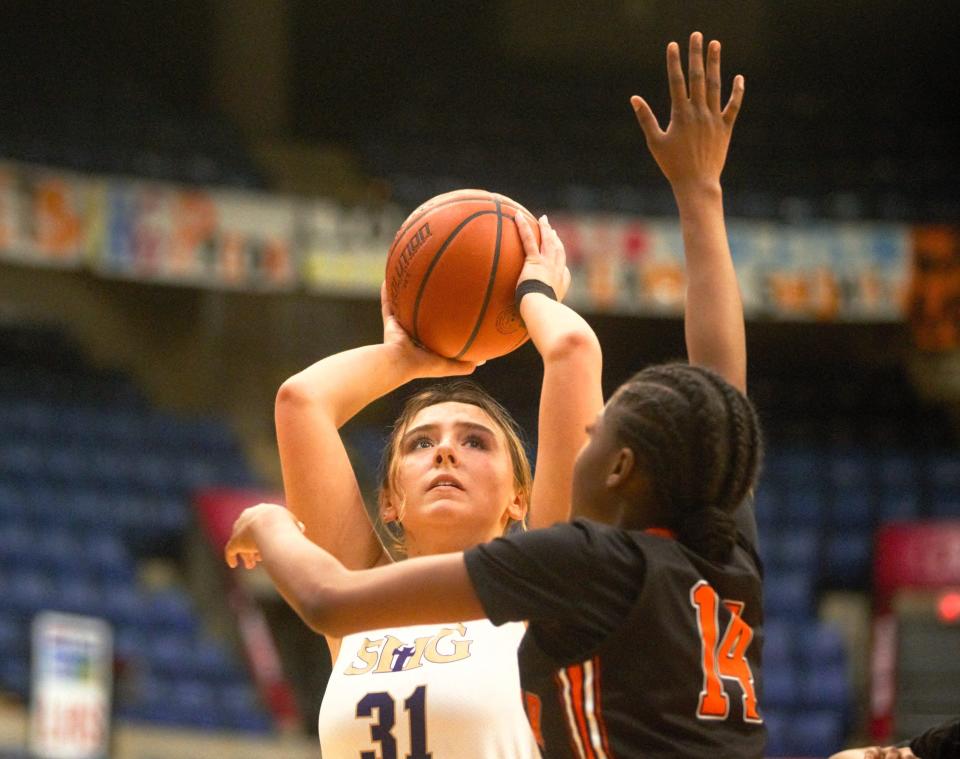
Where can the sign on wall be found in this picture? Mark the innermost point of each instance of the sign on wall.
(71, 686)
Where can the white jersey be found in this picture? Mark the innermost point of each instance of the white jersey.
(447, 691)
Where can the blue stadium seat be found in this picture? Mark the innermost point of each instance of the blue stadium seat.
(815, 733)
(780, 687)
(15, 675)
(172, 610)
(945, 509)
(899, 504)
(804, 506)
(194, 704)
(853, 508)
(777, 728)
(943, 477)
(846, 559)
(14, 638)
(822, 645)
(28, 593)
(242, 710)
(792, 548)
(778, 646)
(79, 596)
(170, 655)
(108, 557)
(125, 605)
(788, 595)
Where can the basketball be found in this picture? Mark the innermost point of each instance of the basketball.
(452, 271)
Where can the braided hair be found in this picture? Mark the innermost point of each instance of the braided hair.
(699, 439)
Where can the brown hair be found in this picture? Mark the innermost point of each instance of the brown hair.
(699, 438)
(455, 391)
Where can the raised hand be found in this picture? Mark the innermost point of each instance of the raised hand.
(693, 149)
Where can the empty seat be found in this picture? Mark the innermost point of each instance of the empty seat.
(846, 559)
(815, 733)
(852, 508)
(780, 687)
(778, 739)
(788, 595)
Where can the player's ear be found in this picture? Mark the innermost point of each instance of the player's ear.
(517, 509)
(622, 467)
(388, 511)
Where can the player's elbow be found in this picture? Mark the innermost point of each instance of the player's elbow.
(579, 344)
(294, 393)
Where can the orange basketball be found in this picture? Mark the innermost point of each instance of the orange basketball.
(452, 271)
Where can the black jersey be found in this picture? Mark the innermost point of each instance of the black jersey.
(636, 646)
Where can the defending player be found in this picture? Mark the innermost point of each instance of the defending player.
(651, 650)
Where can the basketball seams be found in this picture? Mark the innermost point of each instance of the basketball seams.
(433, 263)
(410, 222)
(463, 251)
(491, 280)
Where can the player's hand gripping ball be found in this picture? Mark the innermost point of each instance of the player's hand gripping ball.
(452, 271)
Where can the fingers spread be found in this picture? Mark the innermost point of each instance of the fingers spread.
(713, 76)
(736, 98)
(646, 119)
(678, 87)
(697, 87)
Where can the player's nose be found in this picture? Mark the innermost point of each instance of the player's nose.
(445, 454)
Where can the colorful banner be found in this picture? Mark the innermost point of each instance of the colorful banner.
(934, 304)
(345, 249)
(195, 236)
(826, 271)
(44, 215)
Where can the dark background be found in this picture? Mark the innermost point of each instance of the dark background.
(847, 112)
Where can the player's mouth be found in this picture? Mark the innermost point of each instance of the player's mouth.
(444, 482)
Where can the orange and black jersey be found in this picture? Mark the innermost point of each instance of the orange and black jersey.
(636, 646)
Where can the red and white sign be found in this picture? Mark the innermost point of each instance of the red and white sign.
(72, 681)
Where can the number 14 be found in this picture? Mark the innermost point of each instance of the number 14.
(728, 660)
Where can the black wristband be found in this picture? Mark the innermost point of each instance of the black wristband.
(532, 286)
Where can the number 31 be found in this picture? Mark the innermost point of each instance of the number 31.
(381, 731)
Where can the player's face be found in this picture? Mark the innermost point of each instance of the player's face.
(592, 496)
(456, 478)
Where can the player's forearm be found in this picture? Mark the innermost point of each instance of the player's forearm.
(558, 332)
(570, 398)
(341, 385)
(304, 574)
(713, 319)
(335, 601)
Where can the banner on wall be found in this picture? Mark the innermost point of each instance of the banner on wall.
(345, 249)
(45, 215)
(620, 264)
(196, 236)
(934, 303)
(826, 272)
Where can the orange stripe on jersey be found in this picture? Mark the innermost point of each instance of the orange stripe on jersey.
(580, 693)
(598, 709)
(566, 701)
(578, 696)
(661, 532)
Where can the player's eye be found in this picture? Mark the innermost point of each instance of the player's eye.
(420, 442)
(475, 441)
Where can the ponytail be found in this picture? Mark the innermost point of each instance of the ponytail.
(710, 532)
